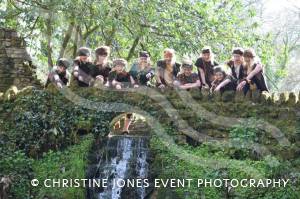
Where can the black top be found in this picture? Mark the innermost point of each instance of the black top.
(242, 73)
(259, 80)
(120, 77)
(85, 70)
(208, 68)
(101, 70)
(231, 86)
(63, 78)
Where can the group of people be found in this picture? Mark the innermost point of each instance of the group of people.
(244, 71)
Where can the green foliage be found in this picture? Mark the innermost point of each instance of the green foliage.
(18, 167)
(40, 122)
(169, 166)
(131, 26)
(60, 151)
(69, 164)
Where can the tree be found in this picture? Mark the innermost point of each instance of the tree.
(131, 26)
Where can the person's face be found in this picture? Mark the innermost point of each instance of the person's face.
(168, 57)
(83, 58)
(219, 76)
(143, 60)
(101, 58)
(119, 68)
(248, 59)
(206, 56)
(237, 58)
(61, 69)
(187, 71)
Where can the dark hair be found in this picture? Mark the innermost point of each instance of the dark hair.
(144, 54)
(83, 51)
(249, 53)
(102, 50)
(119, 61)
(63, 62)
(219, 70)
(238, 51)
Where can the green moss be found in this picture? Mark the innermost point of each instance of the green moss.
(69, 164)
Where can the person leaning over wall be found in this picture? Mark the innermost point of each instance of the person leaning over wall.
(83, 67)
(59, 75)
(237, 66)
(205, 65)
(254, 79)
(141, 70)
(118, 77)
(187, 79)
(102, 66)
(167, 69)
(222, 81)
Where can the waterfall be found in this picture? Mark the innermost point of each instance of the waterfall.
(124, 159)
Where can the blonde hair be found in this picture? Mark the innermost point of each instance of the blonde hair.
(172, 52)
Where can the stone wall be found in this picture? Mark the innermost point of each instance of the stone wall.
(15, 63)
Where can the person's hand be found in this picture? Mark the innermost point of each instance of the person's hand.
(118, 87)
(176, 83)
(149, 75)
(161, 86)
(75, 74)
(183, 87)
(205, 86)
(135, 86)
(241, 85)
(217, 89)
(80, 78)
(99, 77)
(59, 85)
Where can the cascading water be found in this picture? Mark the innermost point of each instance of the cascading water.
(123, 159)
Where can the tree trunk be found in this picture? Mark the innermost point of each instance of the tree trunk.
(49, 39)
(66, 39)
(132, 49)
(76, 41)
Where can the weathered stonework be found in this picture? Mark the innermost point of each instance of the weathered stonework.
(15, 63)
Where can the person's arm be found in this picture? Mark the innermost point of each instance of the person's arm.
(150, 74)
(133, 82)
(202, 75)
(254, 72)
(57, 81)
(76, 70)
(191, 85)
(222, 84)
(68, 77)
(158, 80)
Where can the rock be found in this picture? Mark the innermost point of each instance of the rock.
(256, 96)
(11, 93)
(292, 100)
(228, 96)
(239, 96)
(15, 63)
